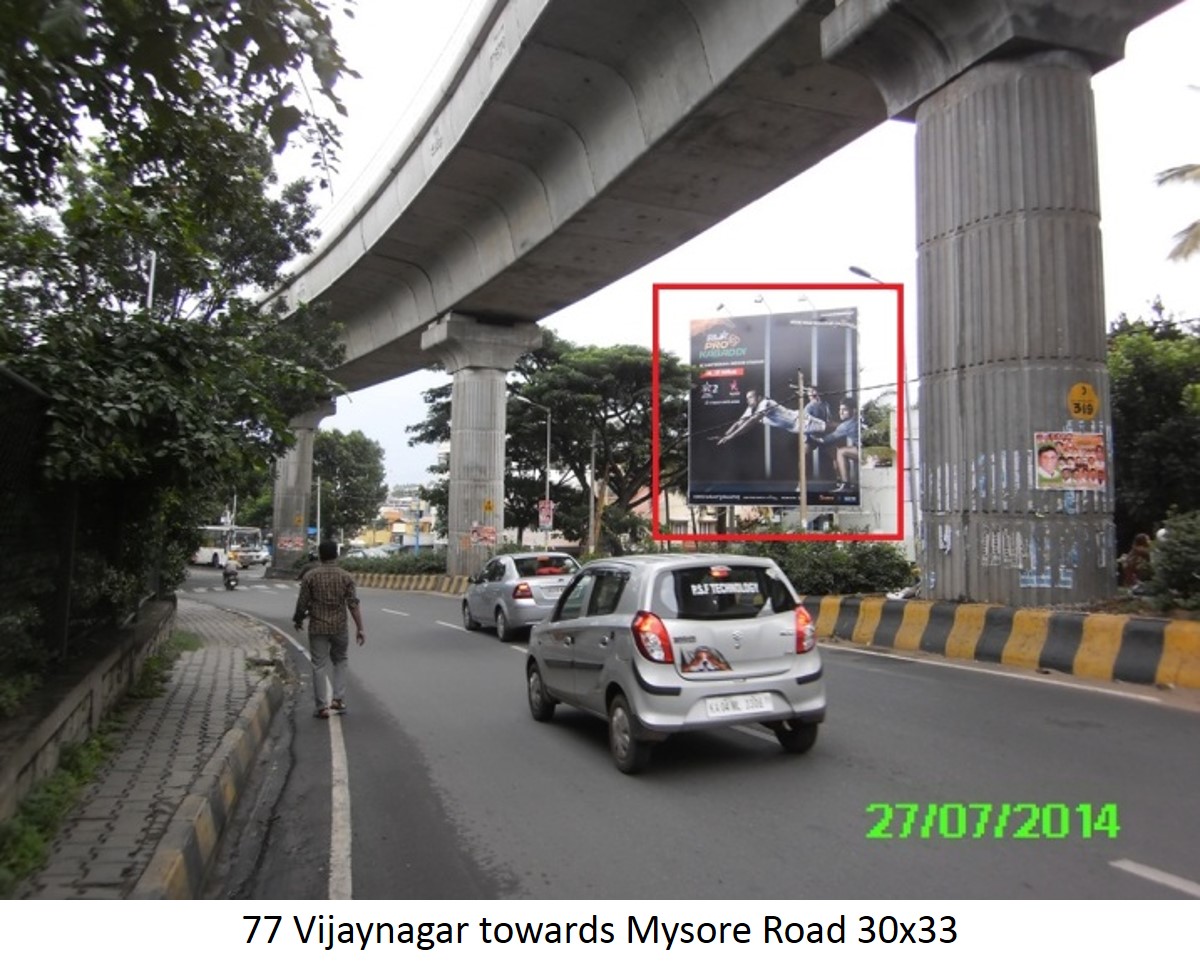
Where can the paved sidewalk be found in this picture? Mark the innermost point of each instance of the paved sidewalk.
(150, 822)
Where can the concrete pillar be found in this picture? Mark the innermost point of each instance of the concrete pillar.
(293, 487)
(478, 357)
(1011, 316)
(1010, 293)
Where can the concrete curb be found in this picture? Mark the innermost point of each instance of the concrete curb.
(184, 856)
(1102, 646)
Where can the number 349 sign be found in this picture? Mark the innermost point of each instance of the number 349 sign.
(1083, 402)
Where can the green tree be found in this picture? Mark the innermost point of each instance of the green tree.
(1187, 241)
(143, 71)
(876, 420)
(607, 391)
(601, 390)
(1154, 369)
(159, 413)
(353, 487)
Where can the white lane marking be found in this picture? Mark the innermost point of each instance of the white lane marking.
(340, 827)
(1158, 877)
(395, 612)
(978, 669)
(339, 824)
(519, 649)
(453, 626)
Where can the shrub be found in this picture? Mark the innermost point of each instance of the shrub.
(1176, 559)
(831, 568)
(425, 563)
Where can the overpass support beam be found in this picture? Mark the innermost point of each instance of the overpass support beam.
(293, 488)
(478, 357)
(1010, 292)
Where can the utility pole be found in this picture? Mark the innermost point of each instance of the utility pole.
(910, 464)
(549, 521)
(591, 538)
(803, 486)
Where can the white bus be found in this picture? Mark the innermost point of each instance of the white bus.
(214, 545)
(219, 541)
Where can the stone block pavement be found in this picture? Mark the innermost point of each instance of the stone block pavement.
(149, 824)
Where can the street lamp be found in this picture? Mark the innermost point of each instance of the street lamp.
(908, 432)
(527, 401)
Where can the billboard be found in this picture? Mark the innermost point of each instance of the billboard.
(747, 417)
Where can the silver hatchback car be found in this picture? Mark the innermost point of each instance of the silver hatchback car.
(659, 644)
(512, 592)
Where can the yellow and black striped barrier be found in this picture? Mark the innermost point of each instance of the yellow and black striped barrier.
(429, 582)
(1137, 649)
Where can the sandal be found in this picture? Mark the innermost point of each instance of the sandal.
(321, 713)
(338, 705)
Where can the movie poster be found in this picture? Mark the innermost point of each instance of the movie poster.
(747, 418)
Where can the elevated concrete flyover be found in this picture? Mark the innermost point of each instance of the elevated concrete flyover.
(574, 142)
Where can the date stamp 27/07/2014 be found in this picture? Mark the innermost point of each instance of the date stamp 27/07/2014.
(992, 821)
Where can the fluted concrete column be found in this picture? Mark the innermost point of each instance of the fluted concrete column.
(478, 357)
(1010, 292)
(293, 487)
(1011, 314)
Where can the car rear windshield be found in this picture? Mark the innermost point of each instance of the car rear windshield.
(723, 592)
(545, 565)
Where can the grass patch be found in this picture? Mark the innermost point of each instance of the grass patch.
(25, 839)
(156, 671)
(15, 690)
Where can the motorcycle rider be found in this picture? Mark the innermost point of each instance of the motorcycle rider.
(230, 575)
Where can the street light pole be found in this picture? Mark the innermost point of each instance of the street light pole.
(908, 433)
(547, 498)
(527, 401)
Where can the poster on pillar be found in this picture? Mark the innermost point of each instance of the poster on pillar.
(746, 416)
(1070, 461)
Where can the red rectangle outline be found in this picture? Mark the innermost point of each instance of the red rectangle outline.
(655, 414)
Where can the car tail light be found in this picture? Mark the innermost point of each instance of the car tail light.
(522, 591)
(651, 638)
(806, 633)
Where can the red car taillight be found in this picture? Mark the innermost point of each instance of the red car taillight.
(650, 636)
(806, 633)
(522, 591)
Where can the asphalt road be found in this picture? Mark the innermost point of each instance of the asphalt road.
(453, 791)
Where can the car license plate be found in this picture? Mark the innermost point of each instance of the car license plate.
(552, 590)
(738, 704)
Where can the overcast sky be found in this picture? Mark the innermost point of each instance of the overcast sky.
(855, 208)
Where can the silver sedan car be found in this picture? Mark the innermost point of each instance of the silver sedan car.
(658, 644)
(512, 592)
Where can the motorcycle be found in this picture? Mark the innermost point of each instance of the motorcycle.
(230, 577)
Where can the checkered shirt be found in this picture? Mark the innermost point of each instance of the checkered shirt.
(326, 592)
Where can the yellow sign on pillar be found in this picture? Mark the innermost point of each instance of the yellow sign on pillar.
(488, 506)
(1083, 402)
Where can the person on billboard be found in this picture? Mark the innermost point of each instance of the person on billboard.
(844, 442)
(764, 410)
(817, 414)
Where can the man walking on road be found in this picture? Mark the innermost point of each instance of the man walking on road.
(326, 592)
